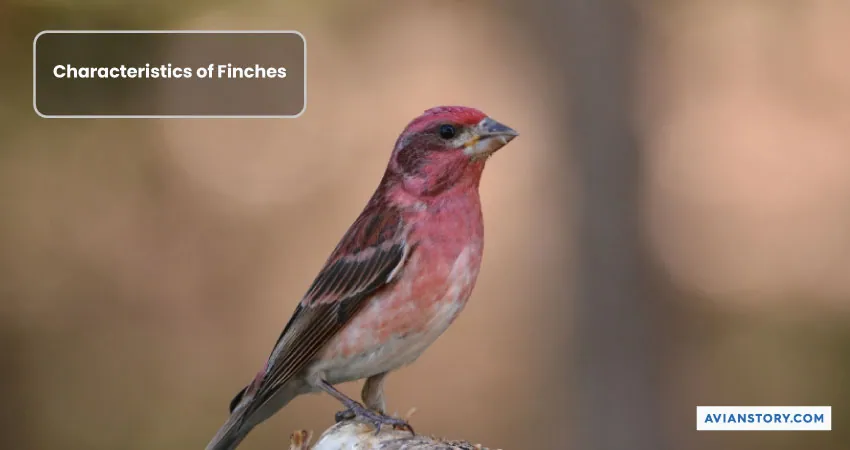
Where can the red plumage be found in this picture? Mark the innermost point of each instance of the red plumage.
(398, 278)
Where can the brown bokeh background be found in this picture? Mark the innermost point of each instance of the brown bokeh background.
(146, 266)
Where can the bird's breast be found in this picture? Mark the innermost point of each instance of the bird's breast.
(401, 321)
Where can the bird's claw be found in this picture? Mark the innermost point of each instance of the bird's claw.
(375, 418)
(342, 416)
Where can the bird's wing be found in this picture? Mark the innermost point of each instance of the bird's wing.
(368, 257)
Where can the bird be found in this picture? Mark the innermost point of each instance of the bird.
(397, 279)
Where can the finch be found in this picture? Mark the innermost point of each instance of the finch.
(398, 278)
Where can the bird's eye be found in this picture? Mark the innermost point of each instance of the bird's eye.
(447, 131)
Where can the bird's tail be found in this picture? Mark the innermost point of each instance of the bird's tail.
(231, 433)
(245, 415)
(237, 426)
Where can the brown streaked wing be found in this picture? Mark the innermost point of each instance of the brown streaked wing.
(361, 264)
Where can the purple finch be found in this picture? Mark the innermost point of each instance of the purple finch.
(395, 282)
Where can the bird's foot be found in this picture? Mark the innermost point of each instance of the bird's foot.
(375, 418)
(342, 416)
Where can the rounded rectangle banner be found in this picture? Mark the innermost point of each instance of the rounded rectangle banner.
(169, 74)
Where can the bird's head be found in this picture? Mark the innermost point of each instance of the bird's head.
(444, 147)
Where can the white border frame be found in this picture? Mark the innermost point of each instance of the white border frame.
(35, 40)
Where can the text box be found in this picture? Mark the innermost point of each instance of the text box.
(764, 418)
(169, 74)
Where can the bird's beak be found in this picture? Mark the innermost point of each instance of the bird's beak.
(487, 137)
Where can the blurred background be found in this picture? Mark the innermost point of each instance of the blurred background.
(147, 266)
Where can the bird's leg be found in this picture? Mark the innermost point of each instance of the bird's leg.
(372, 395)
(357, 410)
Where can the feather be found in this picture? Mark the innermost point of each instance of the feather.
(364, 261)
